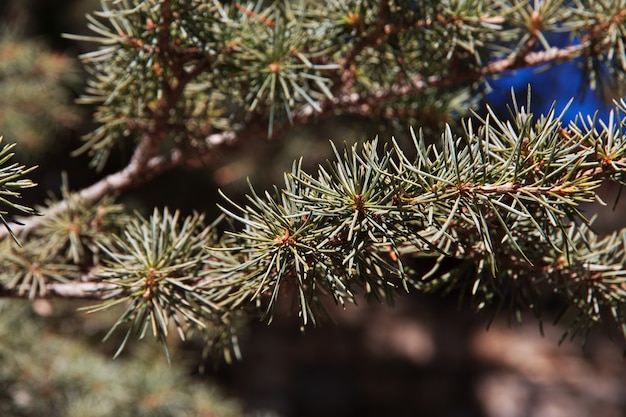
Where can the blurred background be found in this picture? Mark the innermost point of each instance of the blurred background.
(425, 356)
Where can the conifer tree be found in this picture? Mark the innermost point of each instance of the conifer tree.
(481, 204)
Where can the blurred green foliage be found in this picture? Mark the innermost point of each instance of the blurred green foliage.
(35, 98)
(45, 372)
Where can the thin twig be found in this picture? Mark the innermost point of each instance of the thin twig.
(74, 290)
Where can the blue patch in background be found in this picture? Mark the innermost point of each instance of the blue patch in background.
(558, 83)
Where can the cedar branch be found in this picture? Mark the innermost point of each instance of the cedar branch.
(141, 170)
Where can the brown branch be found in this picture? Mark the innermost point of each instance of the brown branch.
(517, 188)
(76, 290)
(533, 59)
(134, 174)
(141, 170)
(367, 103)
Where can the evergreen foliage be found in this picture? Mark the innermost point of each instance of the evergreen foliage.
(488, 208)
(12, 181)
(62, 377)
